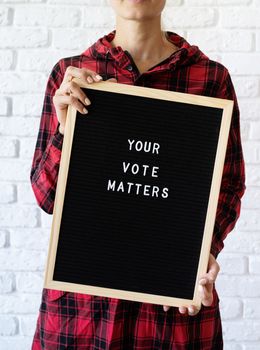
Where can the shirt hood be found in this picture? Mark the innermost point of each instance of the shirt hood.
(187, 54)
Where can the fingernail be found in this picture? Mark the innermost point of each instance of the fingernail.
(87, 101)
(89, 79)
(203, 281)
(85, 110)
(191, 311)
(98, 77)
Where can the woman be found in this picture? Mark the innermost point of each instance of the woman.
(139, 53)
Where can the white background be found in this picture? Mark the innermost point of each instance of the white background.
(34, 34)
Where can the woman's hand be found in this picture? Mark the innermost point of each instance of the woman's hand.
(205, 288)
(69, 93)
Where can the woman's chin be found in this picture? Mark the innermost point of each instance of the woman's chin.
(136, 1)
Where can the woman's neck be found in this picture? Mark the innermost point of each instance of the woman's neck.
(145, 40)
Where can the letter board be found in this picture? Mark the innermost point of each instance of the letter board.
(137, 194)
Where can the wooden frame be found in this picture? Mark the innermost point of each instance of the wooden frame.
(226, 105)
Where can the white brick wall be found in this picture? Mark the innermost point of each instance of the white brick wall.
(32, 36)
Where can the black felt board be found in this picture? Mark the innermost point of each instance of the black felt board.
(135, 242)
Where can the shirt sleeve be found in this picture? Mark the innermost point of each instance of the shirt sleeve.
(47, 154)
(233, 178)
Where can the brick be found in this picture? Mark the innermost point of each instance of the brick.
(253, 175)
(46, 220)
(27, 147)
(14, 82)
(17, 343)
(244, 130)
(254, 133)
(8, 193)
(25, 193)
(174, 3)
(232, 346)
(4, 238)
(40, 61)
(3, 105)
(232, 18)
(4, 16)
(97, 16)
(251, 198)
(79, 2)
(29, 282)
(241, 330)
(18, 126)
(79, 39)
(19, 260)
(30, 239)
(232, 264)
(184, 17)
(221, 41)
(249, 110)
(7, 282)
(254, 265)
(251, 346)
(9, 147)
(248, 221)
(28, 324)
(258, 41)
(6, 59)
(217, 2)
(49, 16)
(27, 105)
(246, 86)
(243, 242)
(238, 286)
(251, 151)
(14, 170)
(19, 216)
(20, 303)
(23, 37)
(8, 326)
(252, 308)
(242, 64)
(231, 308)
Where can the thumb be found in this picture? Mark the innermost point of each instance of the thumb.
(112, 80)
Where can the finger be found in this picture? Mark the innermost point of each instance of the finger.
(213, 266)
(206, 295)
(211, 275)
(206, 280)
(87, 75)
(207, 301)
(166, 308)
(192, 310)
(112, 80)
(213, 271)
(63, 101)
(183, 310)
(72, 88)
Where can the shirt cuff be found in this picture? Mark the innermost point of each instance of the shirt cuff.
(57, 138)
(216, 243)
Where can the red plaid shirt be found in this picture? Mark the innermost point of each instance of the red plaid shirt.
(79, 321)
